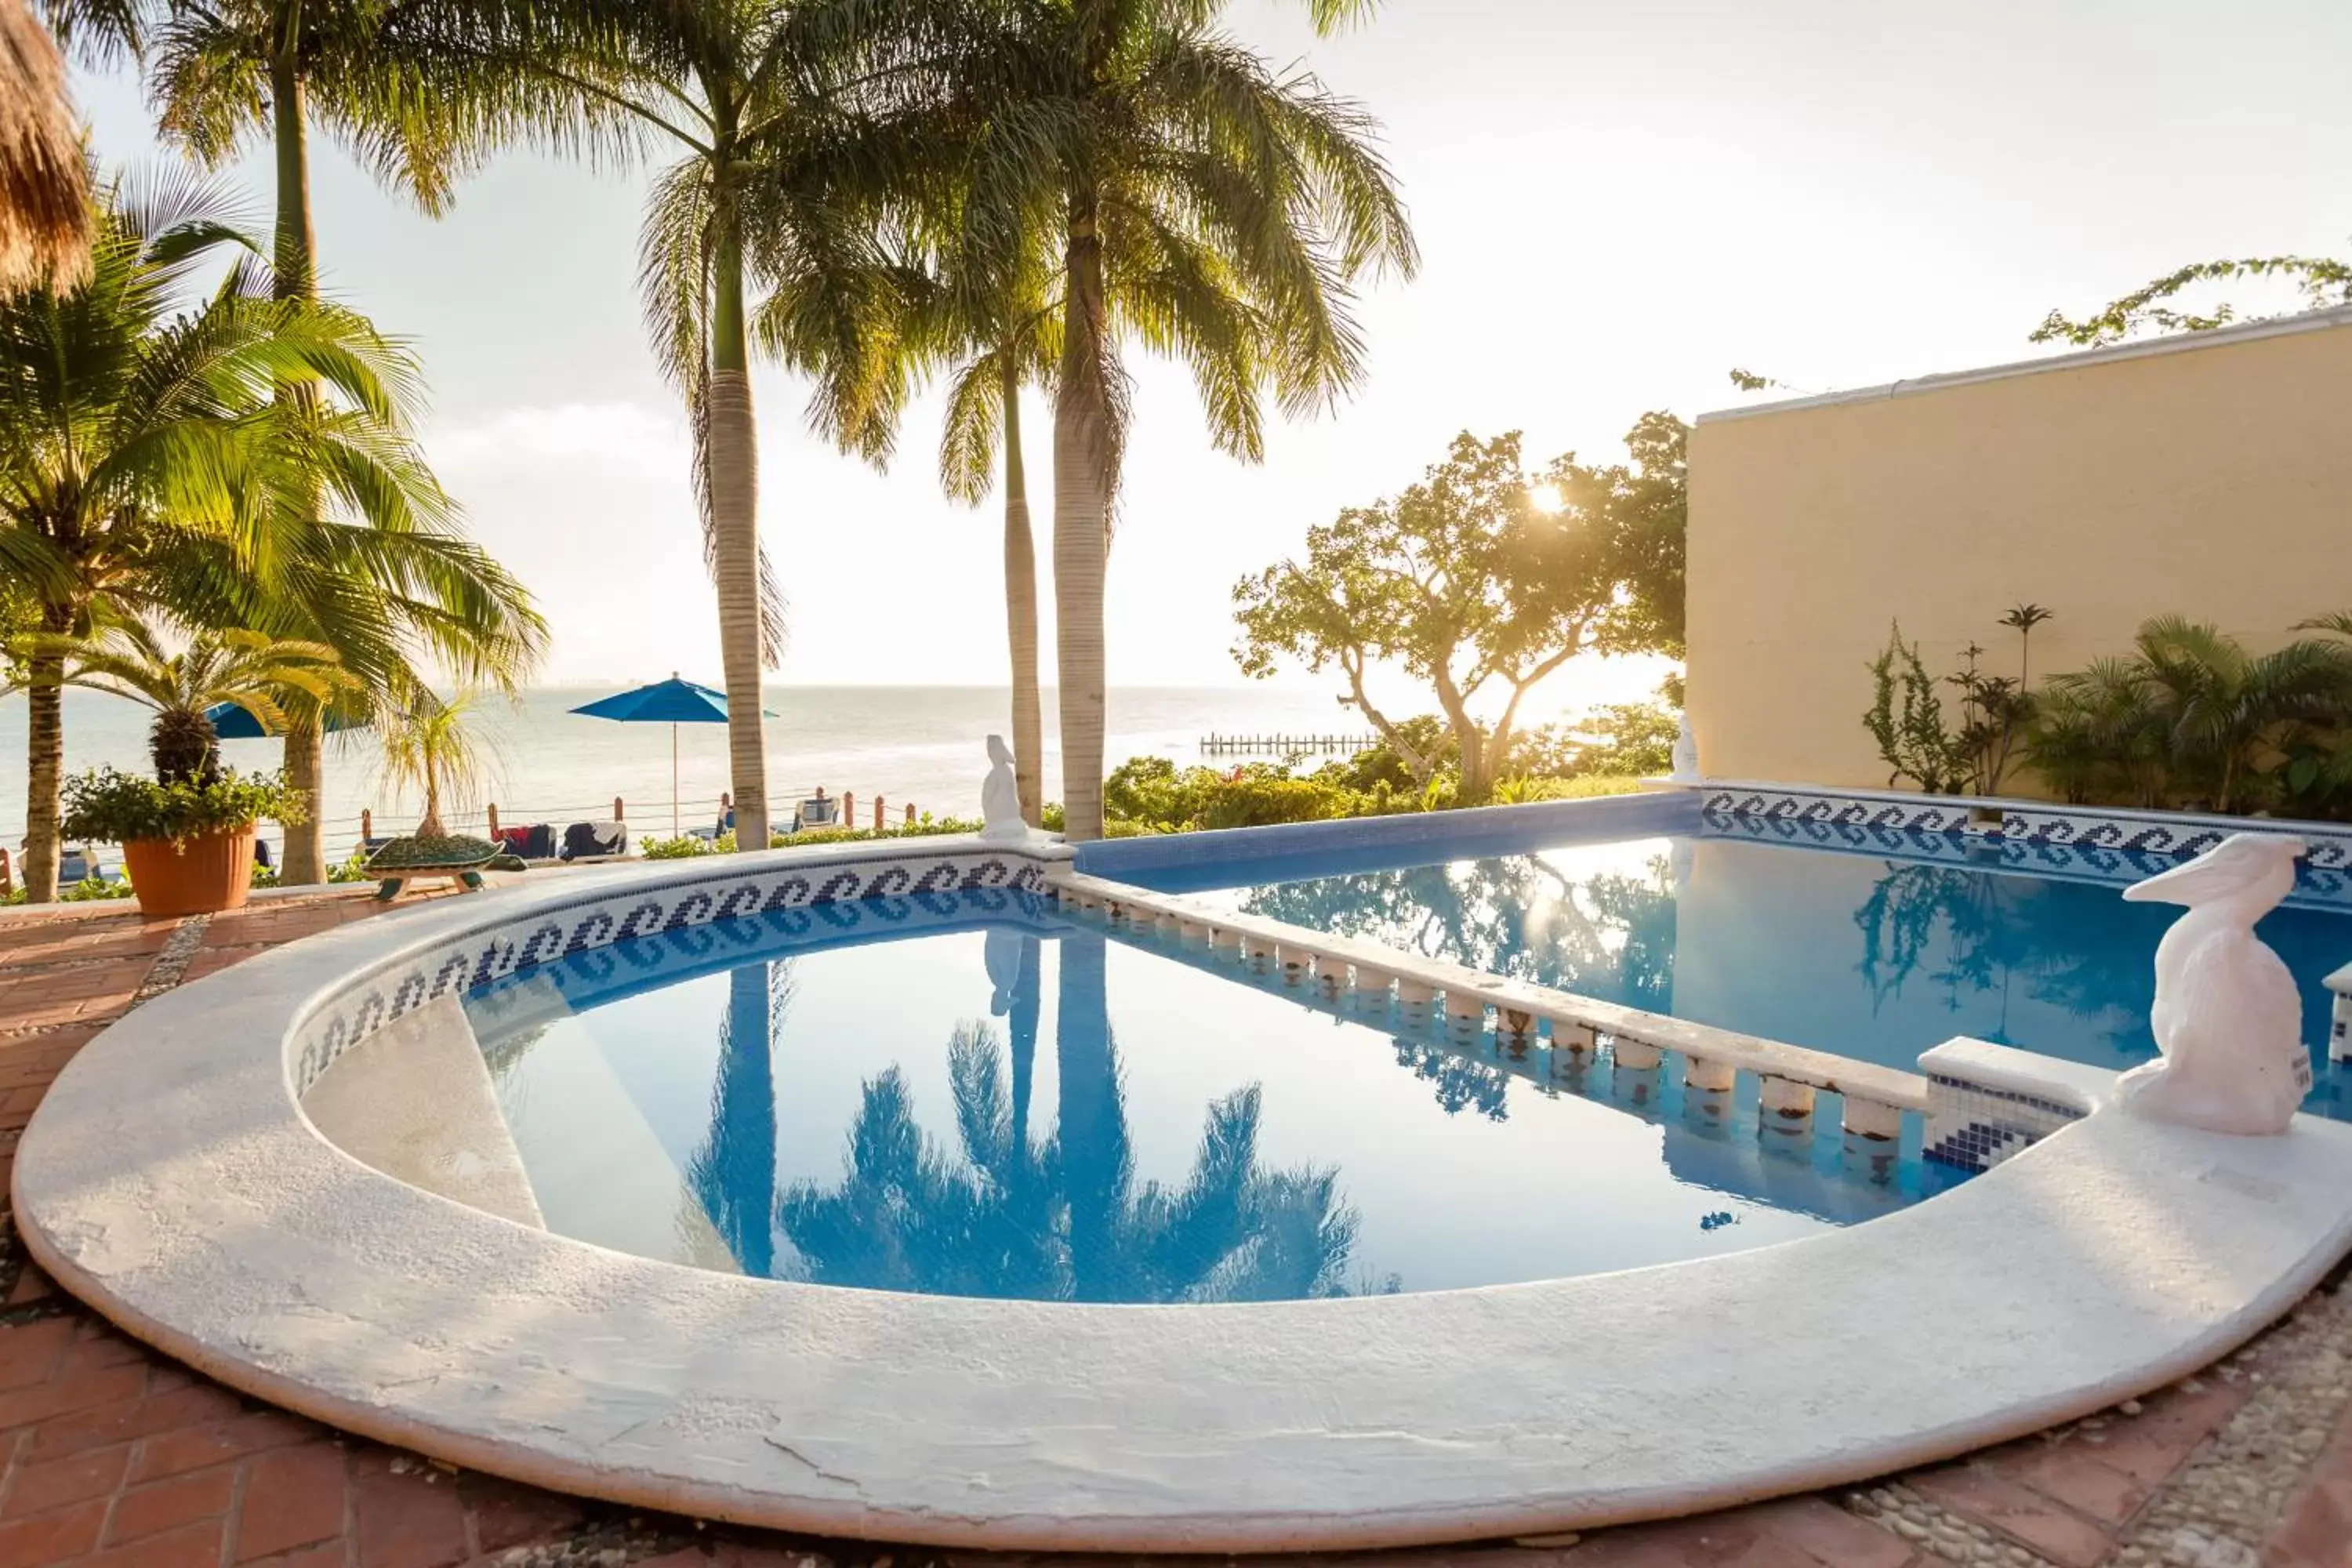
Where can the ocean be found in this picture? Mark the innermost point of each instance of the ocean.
(920, 744)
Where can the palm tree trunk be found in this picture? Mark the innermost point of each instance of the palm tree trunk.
(1024, 1043)
(735, 1171)
(306, 770)
(1083, 444)
(1021, 611)
(44, 741)
(296, 250)
(296, 260)
(1091, 1127)
(732, 464)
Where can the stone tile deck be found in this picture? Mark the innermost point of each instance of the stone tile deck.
(115, 1456)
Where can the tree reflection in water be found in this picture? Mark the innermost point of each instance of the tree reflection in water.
(1970, 932)
(1063, 1218)
(733, 1172)
(1609, 936)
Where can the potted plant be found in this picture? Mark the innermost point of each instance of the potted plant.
(187, 845)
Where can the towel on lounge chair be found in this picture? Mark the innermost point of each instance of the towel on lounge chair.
(595, 840)
(817, 812)
(536, 842)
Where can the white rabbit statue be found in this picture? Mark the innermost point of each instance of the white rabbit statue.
(2228, 1016)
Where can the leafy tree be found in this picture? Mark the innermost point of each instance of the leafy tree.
(2320, 281)
(130, 658)
(1621, 740)
(146, 466)
(1463, 582)
(1192, 200)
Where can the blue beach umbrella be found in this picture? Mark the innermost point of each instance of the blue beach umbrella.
(672, 702)
(231, 723)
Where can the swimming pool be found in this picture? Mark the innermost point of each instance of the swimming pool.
(973, 1096)
(1876, 955)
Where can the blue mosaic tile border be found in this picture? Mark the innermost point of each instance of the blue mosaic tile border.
(2169, 834)
(2044, 843)
(597, 975)
(1806, 807)
(1975, 1126)
(634, 908)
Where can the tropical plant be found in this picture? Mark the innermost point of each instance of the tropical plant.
(2318, 280)
(1463, 581)
(394, 84)
(130, 659)
(2191, 718)
(1905, 718)
(1192, 201)
(44, 179)
(114, 807)
(428, 746)
(146, 466)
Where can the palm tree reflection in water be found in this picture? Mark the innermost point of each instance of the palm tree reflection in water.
(733, 1174)
(1064, 1218)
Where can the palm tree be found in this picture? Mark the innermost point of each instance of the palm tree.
(259, 673)
(427, 746)
(765, 232)
(387, 79)
(1012, 345)
(144, 466)
(44, 179)
(1194, 201)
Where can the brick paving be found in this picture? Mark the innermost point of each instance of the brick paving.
(119, 1458)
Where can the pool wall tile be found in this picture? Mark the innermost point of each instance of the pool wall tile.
(632, 910)
(2083, 843)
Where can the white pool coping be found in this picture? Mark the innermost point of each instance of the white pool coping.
(2107, 1259)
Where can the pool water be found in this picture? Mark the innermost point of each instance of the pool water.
(975, 1097)
(1875, 958)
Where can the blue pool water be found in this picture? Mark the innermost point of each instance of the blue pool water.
(967, 1094)
(1875, 956)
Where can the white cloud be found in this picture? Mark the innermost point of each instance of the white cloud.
(625, 439)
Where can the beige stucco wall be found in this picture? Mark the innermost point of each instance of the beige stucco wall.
(2209, 476)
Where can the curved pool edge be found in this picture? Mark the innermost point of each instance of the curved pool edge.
(252, 1250)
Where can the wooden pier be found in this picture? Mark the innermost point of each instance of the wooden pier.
(1287, 745)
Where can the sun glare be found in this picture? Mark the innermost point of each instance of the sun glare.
(1547, 499)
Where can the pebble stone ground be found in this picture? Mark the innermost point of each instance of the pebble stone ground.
(118, 1457)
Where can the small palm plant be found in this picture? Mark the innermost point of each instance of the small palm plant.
(131, 658)
(429, 747)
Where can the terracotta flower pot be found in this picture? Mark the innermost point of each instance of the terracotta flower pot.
(198, 876)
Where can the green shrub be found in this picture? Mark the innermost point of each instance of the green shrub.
(1520, 792)
(685, 846)
(108, 806)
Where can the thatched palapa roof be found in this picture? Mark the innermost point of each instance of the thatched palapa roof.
(44, 184)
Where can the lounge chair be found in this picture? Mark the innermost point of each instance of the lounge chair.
(817, 811)
(534, 842)
(585, 842)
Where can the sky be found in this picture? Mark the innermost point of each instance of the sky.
(1616, 201)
